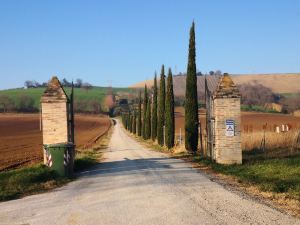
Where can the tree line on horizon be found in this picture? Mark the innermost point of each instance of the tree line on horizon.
(65, 83)
(27, 104)
(199, 73)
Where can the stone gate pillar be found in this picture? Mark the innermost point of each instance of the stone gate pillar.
(227, 124)
(54, 109)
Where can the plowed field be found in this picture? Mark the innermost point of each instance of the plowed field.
(21, 138)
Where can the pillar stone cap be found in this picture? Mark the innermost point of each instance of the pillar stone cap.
(54, 92)
(226, 88)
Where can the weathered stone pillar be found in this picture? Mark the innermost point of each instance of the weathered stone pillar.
(227, 124)
(54, 106)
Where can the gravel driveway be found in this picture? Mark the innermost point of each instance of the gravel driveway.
(135, 186)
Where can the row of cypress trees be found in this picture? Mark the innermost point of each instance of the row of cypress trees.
(155, 117)
(158, 121)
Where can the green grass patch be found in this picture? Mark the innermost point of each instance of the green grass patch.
(85, 160)
(39, 178)
(274, 175)
(30, 180)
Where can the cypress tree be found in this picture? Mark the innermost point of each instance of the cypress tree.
(123, 119)
(148, 120)
(134, 123)
(145, 103)
(129, 122)
(139, 119)
(170, 118)
(154, 111)
(191, 98)
(161, 108)
(126, 121)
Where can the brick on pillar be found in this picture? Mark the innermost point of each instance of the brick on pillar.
(227, 127)
(54, 104)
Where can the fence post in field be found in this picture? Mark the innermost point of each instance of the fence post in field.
(227, 122)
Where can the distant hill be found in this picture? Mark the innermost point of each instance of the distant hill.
(279, 83)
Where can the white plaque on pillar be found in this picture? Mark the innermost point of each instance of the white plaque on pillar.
(229, 128)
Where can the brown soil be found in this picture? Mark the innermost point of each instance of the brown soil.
(21, 138)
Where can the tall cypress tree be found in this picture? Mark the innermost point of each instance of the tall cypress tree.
(148, 120)
(144, 112)
(126, 119)
(191, 98)
(134, 123)
(170, 118)
(154, 111)
(123, 119)
(130, 122)
(139, 119)
(161, 108)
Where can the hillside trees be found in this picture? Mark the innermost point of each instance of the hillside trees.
(6, 104)
(191, 102)
(26, 104)
(78, 83)
(86, 86)
(161, 108)
(256, 94)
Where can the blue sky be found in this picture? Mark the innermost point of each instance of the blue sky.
(124, 42)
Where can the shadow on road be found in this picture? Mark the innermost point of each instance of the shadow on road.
(132, 172)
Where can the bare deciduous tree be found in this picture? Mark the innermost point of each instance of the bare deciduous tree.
(95, 105)
(78, 83)
(26, 104)
(256, 94)
(6, 103)
(86, 86)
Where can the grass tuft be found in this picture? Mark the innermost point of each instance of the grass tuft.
(274, 175)
(85, 160)
(30, 180)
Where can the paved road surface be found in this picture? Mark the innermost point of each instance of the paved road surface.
(135, 186)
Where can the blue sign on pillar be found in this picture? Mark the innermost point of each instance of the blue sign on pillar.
(229, 128)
